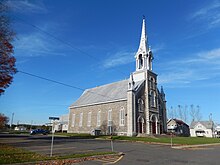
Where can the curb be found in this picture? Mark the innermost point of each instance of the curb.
(194, 146)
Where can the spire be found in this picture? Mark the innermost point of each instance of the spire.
(162, 94)
(143, 47)
(143, 58)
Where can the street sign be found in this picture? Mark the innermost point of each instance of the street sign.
(51, 148)
(54, 118)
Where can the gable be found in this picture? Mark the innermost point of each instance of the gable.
(201, 125)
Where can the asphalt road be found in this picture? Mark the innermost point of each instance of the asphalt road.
(135, 153)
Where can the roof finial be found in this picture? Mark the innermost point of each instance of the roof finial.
(143, 16)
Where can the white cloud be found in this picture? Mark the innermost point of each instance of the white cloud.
(206, 9)
(29, 6)
(119, 58)
(35, 44)
(208, 15)
(200, 67)
(158, 48)
(212, 54)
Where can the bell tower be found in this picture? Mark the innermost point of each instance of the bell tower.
(144, 54)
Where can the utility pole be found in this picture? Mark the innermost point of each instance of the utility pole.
(12, 117)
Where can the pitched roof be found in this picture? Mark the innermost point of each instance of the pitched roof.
(105, 93)
(180, 122)
(207, 124)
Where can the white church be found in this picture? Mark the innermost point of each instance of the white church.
(132, 107)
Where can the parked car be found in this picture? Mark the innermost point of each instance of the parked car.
(39, 131)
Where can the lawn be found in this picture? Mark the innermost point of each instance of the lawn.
(176, 140)
(9, 155)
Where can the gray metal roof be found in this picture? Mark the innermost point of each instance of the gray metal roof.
(105, 93)
(207, 124)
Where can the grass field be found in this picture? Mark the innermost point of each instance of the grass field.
(9, 155)
(176, 140)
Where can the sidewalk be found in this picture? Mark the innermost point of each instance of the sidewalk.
(195, 146)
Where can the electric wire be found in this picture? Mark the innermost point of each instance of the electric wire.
(65, 43)
(64, 84)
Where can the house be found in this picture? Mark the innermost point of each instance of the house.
(20, 128)
(130, 107)
(61, 125)
(217, 131)
(178, 127)
(202, 129)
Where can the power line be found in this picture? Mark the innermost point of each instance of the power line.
(61, 83)
(65, 42)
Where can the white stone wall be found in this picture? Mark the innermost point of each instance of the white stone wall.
(94, 109)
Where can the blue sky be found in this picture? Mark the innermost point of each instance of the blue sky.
(91, 43)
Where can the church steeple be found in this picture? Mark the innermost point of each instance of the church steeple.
(144, 55)
(143, 47)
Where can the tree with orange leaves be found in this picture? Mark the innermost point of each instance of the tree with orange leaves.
(3, 120)
(7, 60)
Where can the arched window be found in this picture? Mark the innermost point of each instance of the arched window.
(89, 119)
(122, 116)
(140, 61)
(99, 118)
(110, 117)
(73, 119)
(81, 119)
(152, 99)
(140, 105)
(152, 83)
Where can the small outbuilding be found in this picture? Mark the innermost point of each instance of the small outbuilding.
(178, 127)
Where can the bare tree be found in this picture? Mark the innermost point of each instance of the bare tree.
(180, 112)
(104, 127)
(185, 114)
(198, 113)
(174, 113)
(195, 113)
(192, 112)
(170, 112)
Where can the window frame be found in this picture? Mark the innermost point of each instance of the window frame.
(73, 119)
(89, 119)
(122, 117)
(110, 117)
(81, 119)
(98, 118)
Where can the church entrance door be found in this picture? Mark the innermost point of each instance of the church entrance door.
(140, 125)
(153, 124)
(154, 127)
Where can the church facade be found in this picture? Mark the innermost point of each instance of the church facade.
(130, 107)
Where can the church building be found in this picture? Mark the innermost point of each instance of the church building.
(132, 107)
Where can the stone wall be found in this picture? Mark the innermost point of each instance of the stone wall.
(94, 109)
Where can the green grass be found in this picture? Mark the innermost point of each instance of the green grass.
(176, 140)
(9, 155)
(76, 135)
(19, 132)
